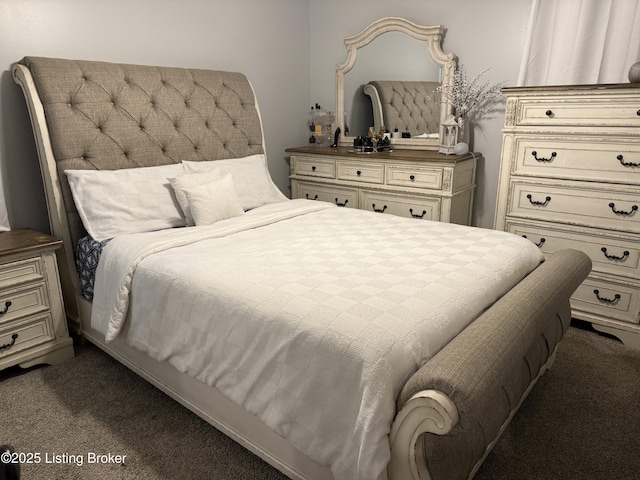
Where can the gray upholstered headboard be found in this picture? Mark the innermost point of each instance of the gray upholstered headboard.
(110, 116)
(409, 106)
(105, 116)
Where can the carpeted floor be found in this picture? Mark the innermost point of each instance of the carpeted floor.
(580, 422)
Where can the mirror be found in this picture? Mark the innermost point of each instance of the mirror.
(421, 60)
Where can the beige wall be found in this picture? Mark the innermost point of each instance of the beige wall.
(266, 40)
(482, 34)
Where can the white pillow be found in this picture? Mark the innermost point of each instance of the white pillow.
(130, 200)
(250, 176)
(186, 181)
(214, 201)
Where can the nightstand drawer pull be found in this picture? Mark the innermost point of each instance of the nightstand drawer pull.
(359, 172)
(549, 113)
(627, 164)
(542, 159)
(379, 210)
(625, 254)
(342, 204)
(538, 244)
(313, 168)
(7, 304)
(538, 203)
(417, 215)
(610, 301)
(314, 198)
(412, 178)
(612, 206)
(14, 337)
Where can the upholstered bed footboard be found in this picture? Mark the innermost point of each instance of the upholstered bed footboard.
(471, 389)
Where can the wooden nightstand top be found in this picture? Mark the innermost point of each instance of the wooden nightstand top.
(25, 240)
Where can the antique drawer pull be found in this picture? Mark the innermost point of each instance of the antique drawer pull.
(625, 254)
(549, 113)
(538, 244)
(627, 164)
(542, 159)
(638, 113)
(14, 337)
(314, 198)
(412, 178)
(417, 215)
(612, 206)
(358, 173)
(379, 210)
(538, 203)
(342, 204)
(7, 304)
(610, 301)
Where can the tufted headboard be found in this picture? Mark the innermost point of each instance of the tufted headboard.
(409, 106)
(106, 116)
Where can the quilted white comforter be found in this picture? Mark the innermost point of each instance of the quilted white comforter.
(310, 316)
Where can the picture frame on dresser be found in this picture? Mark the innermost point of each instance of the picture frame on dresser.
(570, 178)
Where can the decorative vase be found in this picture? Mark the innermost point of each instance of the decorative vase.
(463, 130)
(634, 73)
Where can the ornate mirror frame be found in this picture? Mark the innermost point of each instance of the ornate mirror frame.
(432, 35)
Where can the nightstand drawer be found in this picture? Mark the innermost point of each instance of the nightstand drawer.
(314, 167)
(341, 196)
(419, 177)
(22, 271)
(592, 111)
(608, 298)
(361, 172)
(425, 208)
(25, 335)
(610, 254)
(22, 301)
(603, 160)
(577, 203)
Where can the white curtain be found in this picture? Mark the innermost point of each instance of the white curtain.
(571, 42)
(4, 218)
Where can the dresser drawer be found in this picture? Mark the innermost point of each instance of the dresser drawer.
(426, 208)
(21, 301)
(314, 167)
(20, 336)
(410, 176)
(608, 298)
(361, 172)
(22, 271)
(586, 111)
(610, 254)
(578, 203)
(580, 159)
(341, 196)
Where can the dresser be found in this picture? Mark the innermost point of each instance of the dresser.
(570, 178)
(409, 183)
(33, 325)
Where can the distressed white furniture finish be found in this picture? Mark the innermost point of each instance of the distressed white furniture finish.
(33, 326)
(409, 183)
(570, 178)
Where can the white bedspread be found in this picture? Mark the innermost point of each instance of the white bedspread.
(310, 316)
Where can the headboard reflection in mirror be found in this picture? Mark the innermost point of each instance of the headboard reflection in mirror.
(392, 84)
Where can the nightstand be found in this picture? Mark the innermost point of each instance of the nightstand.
(33, 326)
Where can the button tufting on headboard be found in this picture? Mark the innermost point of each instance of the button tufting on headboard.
(110, 116)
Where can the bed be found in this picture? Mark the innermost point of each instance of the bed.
(298, 328)
(405, 106)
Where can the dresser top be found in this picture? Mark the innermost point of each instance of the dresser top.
(397, 154)
(612, 87)
(25, 240)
